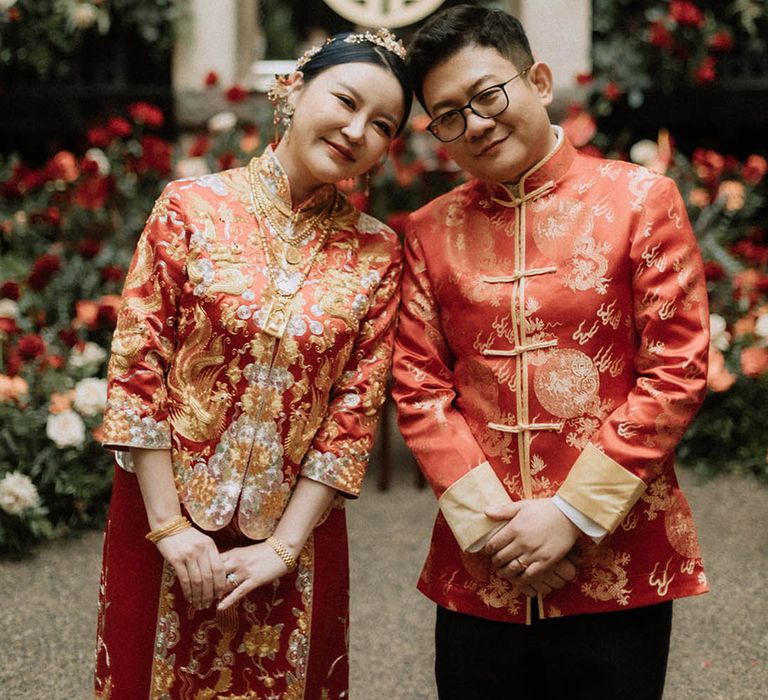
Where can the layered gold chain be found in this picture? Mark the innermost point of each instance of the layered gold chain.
(278, 311)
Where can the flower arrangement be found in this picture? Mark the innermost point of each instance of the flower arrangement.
(666, 45)
(38, 38)
(726, 201)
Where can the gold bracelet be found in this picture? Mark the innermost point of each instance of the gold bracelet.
(172, 527)
(282, 551)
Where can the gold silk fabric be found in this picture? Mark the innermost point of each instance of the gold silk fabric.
(244, 412)
(557, 330)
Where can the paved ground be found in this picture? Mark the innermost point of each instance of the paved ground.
(720, 641)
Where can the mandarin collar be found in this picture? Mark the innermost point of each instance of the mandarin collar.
(273, 176)
(540, 178)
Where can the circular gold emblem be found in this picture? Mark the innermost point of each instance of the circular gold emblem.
(383, 13)
(566, 385)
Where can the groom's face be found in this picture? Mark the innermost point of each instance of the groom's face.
(502, 148)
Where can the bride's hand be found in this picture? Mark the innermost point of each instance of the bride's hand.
(248, 568)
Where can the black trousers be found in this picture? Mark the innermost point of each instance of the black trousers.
(605, 656)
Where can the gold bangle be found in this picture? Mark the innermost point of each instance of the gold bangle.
(172, 527)
(282, 551)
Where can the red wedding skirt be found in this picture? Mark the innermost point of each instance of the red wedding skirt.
(284, 641)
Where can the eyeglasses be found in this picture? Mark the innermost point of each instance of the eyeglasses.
(487, 104)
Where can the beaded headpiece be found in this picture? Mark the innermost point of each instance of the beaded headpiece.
(283, 85)
(381, 37)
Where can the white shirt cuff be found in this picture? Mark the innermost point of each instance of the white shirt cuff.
(588, 526)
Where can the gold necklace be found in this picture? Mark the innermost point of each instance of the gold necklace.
(291, 252)
(285, 284)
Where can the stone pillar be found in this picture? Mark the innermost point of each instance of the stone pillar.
(220, 36)
(560, 32)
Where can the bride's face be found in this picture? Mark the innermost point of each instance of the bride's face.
(343, 123)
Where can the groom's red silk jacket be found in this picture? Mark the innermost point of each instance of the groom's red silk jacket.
(553, 340)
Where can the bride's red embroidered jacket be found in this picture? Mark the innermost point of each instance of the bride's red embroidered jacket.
(553, 341)
(192, 370)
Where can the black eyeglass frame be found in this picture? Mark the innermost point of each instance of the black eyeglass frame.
(460, 110)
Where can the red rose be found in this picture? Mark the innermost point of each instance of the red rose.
(8, 326)
(584, 78)
(89, 248)
(63, 166)
(68, 336)
(156, 155)
(685, 12)
(236, 94)
(89, 167)
(45, 266)
(226, 160)
(112, 273)
(10, 290)
(119, 127)
(612, 91)
(211, 79)
(30, 346)
(706, 73)
(713, 271)
(721, 41)
(98, 137)
(56, 361)
(147, 114)
(754, 169)
(93, 193)
(106, 316)
(200, 146)
(659, 35)
(14, 14)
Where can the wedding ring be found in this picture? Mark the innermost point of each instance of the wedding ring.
(232, 580)
(520, 564)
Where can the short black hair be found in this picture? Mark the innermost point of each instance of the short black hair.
(336, 52)
(454, 28)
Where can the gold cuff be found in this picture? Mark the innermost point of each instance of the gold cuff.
(282, 551)
(172, 527)
(600, 488)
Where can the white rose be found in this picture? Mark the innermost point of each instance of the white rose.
(17, 493)
(644, 152)
(66, 429)
(100, 158)
(91, 396)
(192, 167)
(83, 15)
(223, 121)
(761, 326)
(90, 354)
(9, 308)
(719, 337)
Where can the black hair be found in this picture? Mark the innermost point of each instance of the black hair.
(454, 28)
(336, 51)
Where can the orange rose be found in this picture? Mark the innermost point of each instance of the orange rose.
(86, 312)
(733, 193)
(718, 377)
(12, 388)
(754, 361)
(61, 402)
(744, 326)
(699, 197)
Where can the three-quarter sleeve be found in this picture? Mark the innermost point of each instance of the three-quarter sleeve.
(341, 447)
(636, 442)
(136, 413)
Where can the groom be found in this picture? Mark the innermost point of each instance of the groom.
(552, 349)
